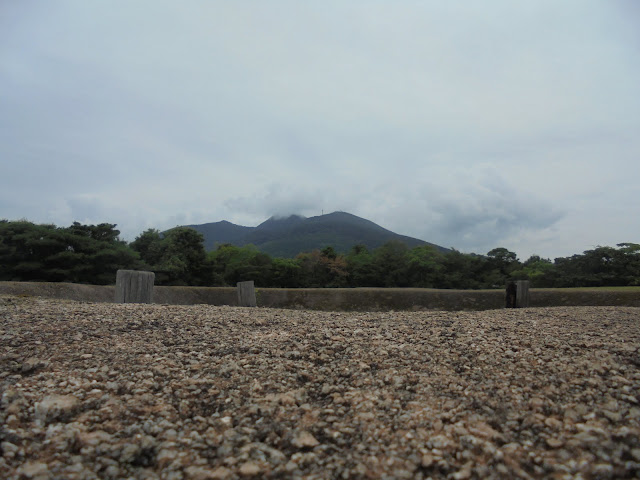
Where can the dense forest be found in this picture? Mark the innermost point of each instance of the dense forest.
(92, 254)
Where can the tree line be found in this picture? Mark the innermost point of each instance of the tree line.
(92, 254)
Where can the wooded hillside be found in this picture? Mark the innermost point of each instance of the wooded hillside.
(92, 254)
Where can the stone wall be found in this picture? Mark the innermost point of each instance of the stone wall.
(356, 299)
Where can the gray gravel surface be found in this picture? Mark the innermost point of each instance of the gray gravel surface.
(202, 392)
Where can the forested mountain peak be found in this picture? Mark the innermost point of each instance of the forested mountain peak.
(281, 222)
(287, 236)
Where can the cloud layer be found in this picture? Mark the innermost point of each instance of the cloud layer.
(471, 126)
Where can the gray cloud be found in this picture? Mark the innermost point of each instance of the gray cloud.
(466, 125)
(283, 199)
(468, 210)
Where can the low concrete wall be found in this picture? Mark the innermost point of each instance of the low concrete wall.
(362, 299)
(597, 296)
(196, 295)
(357, 299)
(67, 291)
(432, 299)
(106, 293)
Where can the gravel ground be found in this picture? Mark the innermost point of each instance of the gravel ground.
(202, 392)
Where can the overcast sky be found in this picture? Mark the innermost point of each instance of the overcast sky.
(467, 124)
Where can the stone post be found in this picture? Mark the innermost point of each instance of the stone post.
(517, 294)
(134, 286)
(522, 293)
(246, 294)
(511, 294)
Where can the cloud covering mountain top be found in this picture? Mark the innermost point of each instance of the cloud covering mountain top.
(468, 125)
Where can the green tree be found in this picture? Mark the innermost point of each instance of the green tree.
(541, 272)
(391, 264)
(323, 268)
(424, 267)
(360, 267)
(238, 264)
(24, 247)
(462, 271)
(286, 273)
(94, 253)
(628, 268)
(184, 259)
(501, 263)
(177, 257)
(104, 232)
(150, 246)
(602, 266)
(78, 254)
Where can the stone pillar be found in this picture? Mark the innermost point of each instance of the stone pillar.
(134, 286)
(522, 293)
(246, 294)
(517, 294)
(510, 295)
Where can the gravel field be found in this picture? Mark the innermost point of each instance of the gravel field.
(202, 392)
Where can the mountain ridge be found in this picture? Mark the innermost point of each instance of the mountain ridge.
(286, 236)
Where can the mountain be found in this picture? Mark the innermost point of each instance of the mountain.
(288, 236)
(222, 232)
